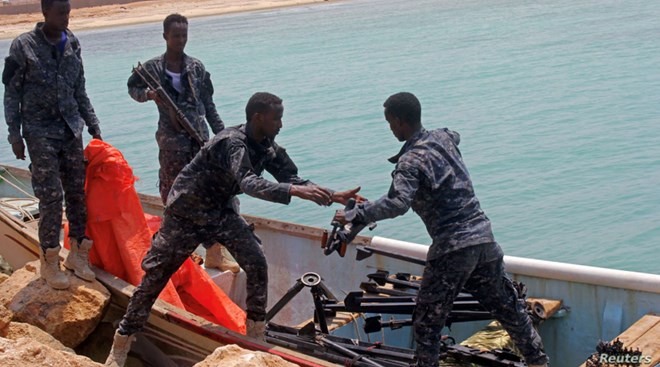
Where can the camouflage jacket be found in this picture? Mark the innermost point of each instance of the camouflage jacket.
(44, 87)
(430, 177)
(195, 101)
(228, 165)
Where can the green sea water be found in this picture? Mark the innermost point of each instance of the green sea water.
(557, 103)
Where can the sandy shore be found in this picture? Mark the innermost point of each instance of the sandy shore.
(142, 12)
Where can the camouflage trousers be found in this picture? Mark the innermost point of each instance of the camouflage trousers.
(177, 239)
(171, 163)
(58, 172)
(479, 270)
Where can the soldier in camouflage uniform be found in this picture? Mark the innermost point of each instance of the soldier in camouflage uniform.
(187, 82)
(189, 85)
(45, 97)
(201, 207)
(430, 177)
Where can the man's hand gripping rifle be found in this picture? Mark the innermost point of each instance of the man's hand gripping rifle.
(343, 234)
(179, 118)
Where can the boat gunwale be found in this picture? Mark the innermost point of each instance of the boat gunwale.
(613, 278)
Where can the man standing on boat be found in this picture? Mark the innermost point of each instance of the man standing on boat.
(45, 97)
(189, 85)
(202, 207)
(431, 177)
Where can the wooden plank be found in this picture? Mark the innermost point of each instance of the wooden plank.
(649, 344)
(645, 335)
(544, 308)
(638, 329)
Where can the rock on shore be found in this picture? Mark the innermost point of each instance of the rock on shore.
(68, 315)
(235, 356)
(29, 353)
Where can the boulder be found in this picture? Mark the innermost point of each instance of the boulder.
(69, 315)
(29, 353)
(17, 330)
(235, 356)
(3, 277)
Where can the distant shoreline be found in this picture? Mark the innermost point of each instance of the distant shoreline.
(143, 12)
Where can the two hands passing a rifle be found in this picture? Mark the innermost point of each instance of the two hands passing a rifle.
(344, 231)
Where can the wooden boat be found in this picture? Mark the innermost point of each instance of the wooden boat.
(599, 303)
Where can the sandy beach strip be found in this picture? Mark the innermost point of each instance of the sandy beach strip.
(142, 12)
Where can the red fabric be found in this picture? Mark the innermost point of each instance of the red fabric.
(122, 233)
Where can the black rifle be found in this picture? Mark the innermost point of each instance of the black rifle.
(179, 118)
(342, 235)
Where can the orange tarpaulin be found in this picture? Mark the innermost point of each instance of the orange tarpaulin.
(122, 232)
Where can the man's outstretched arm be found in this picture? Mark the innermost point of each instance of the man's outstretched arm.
(285, 170)
(251, 183)
(405, 183)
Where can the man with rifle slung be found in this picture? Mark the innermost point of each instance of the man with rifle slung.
(183, 92)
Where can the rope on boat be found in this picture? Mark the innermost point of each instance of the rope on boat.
(15, 185)
(18, 181)
(6, 203)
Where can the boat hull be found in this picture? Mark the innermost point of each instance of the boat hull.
(601, 303)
